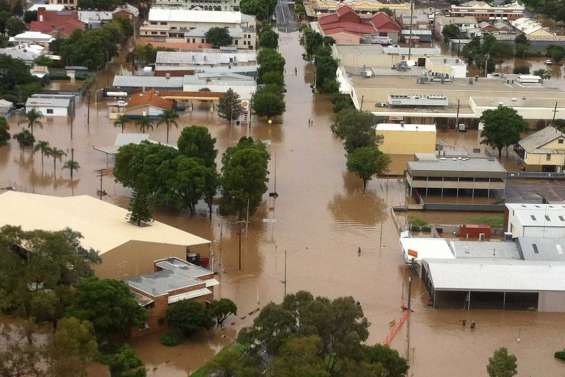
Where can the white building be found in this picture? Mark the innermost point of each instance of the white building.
(172, 23)
(536, 220)
(48, 7)
(50, 106)
(216, 5)
(244, 86)
(25, 52)
(32, 37)
(484, 11)
(446, 65)
(205, 58)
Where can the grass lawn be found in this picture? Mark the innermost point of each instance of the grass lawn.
(495, 221)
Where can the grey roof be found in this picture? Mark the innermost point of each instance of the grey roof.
(207, 57)
(50, 102)
(461, 167)
(418, 51)
(147, 82)
(548, 249)
(416, 32)
(485, 249)
(200, 32)
(175, 274)
(534, 143)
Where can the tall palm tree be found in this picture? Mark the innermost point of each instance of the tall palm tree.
(121, 122)
(33, 119)
(168, 117)
(144, 123)
(56, 154)
(43, 147)
(72, 165)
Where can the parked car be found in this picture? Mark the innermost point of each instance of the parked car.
(548, 62)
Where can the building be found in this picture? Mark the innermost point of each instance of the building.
(464, 23)
(57, 24)
(347, 27)
(455, 176)
(126, 139)
(543, 150)
(48, 7)
(241, 38)
(204, 59)
(25, 52)
(484, 11)
(50, 106)
(213, 5)
(446, 66)
(126, 250)
(147, 103)
(244, 86)
(174, 280)
(175, 24)
(94, 18)
(32, 37)
(395, 138)
(5, 107)
(417, 35)
(135, 83)
(316, 8)
(535, 220)
(69, 4)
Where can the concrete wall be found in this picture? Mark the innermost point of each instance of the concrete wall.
(407, 142)
(551, 301)
(55, 111)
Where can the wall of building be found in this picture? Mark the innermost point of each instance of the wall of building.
(407, 142)
(551, 301)
(49, 111)
(540, 159)
(135, 257)
(145, 110)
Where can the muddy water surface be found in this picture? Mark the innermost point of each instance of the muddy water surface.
(320, 219)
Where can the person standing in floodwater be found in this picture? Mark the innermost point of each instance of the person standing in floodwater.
(359, 251)
(295, 71)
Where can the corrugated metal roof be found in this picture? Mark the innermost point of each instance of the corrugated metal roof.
(208, 57)
(194, 16)
(50, 102)
(466, 166)
(534, 143)
(147, 82)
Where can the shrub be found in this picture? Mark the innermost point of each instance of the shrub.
(25, 139)
(560, 355)
(416, 221)
(171, 339)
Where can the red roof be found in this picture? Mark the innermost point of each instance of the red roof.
(362, 28)
(149, 98)
(57, 23)
(384, 23)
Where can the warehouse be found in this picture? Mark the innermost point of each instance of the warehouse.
(535, 220)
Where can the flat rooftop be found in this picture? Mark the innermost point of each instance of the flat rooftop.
(485, 249)
(406, 127)
(457, 166)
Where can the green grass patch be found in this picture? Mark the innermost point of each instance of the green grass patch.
(495, 221)
(415, 221)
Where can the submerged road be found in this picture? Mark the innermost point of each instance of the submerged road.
(286, 19)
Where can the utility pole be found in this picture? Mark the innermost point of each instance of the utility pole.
(410, 32)
(554, 114)
(284, 281)
(72, 162)
(457, 116)
(88, 111)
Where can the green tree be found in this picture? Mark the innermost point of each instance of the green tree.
(144, 123)
(15, 26)
(125, 363)
(33, 119)
(326, 68)
(42, 147)
(521, 45)
(169, 118)
(367, 162)
(269, 60)
(556, 53)
(110, 306)
(390, 359)
(231, 362)
(268, 103)
(502, 364)
(25, 139)
(274, 78)
(139, 208)
(229, 107)
(355, 128)
(502, 127)
(545, 74)
(121, 122)
(17, 82)
(189, 182)
(218, 37)
(263, 9)
(56, 154)
(196, 141)
(269, 39)
(221, 309)
(4, 133)
(73, 347)
(30, 16)
(300, 357)
(244, 177)
(189, 317)
(72, 165)
(450, 32)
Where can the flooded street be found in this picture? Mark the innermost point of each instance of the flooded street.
(320, 218)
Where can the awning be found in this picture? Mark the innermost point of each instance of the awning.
(189, 295)
(211, 283)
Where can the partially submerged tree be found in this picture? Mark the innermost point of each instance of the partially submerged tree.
(168, 118)
(502, 364)
(33, 119)
(221, 309)
(355, 128)
(367, 162)
(42, 147)
(72, 166)
(229, 107)
(189, 317)
(4, 133)
(121, 122)
(502, 128)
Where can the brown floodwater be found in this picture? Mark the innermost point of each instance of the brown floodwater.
(322, 217)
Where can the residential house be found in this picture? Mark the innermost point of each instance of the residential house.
(5, 106)
(317, 8)
(25, 52)
(48, 7)
(543, 150)
(57, 24)
(32, 37)
(466, 24)
(147, 103)
(484, 11)
(69, 4)
(51, 105)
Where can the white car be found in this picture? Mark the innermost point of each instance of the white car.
(548, 62)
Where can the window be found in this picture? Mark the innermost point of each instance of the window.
(533, 217)
(560, 141)
(547, 218)
(561, 218)
(235, 42)
(548, 157)
(49, 111)
(535, 247)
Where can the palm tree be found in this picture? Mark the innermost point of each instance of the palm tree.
(121, 122)
(72, 165)
(56, 154)
(33, 119)
(43, 147)
(144, 122)
(168, 117)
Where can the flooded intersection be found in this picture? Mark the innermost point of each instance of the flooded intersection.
(320, 219)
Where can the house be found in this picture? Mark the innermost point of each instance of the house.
(485, 11)
(68, 4)
(535, 220)
(147, 103)
(32, 37)
(174, 280)
(408, 139)
(347, 27)
(126, 139)
(175, 24)
(57, 24)
(204, 59)
(133, 83)
(125, 250)
(49, 7)
(94, 19)
(25, 52)
(5, 106)
(50, 107)
(464, 23)
(543, 150)
(530, 27)
(126, 11)
(317, 8)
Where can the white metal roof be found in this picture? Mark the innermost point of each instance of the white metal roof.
(195, 16)
(543, 215)
(406, 127)
(103, 225)
(496, 275)
(206, 57)
(47, 7)
(189, 295)
(425, 248)
(36, 36)
(48, 102)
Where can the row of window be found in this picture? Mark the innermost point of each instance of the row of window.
(457, 179)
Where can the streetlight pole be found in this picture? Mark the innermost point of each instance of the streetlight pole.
(284, 281)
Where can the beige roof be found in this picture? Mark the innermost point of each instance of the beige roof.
(103, 225)
(535, 142)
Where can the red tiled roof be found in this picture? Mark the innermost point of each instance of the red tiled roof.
(361, 28)
(343, 10)
(151, 98)
(384, 23)
(57, 23)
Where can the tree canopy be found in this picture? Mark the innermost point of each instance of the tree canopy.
(229, 107)
(355, 128)
(269, 39)
(367, 162)
(502, 128)
(263, 9)
(502, 364)
(189, 316)
(16, 82)
(218, 37)
(269, 102)
(4, 133)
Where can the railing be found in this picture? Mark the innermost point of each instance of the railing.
(535, 174)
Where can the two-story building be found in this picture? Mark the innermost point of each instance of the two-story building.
(485, 11)
(543, 150)
(217, 5)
